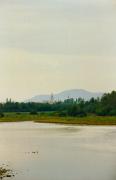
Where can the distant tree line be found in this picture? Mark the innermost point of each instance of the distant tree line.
(105, 106)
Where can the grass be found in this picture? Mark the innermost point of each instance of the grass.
(80, 121)
(45, 118)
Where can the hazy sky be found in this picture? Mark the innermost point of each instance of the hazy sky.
(52, 45)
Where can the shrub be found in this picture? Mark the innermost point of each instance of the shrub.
(1, 115)
(33, 113)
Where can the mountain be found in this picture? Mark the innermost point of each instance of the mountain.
(74, 93)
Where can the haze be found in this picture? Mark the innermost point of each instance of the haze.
(52, 45)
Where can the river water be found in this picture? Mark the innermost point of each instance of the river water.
(37, 151)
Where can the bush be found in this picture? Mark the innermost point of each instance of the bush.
(76, 111)
(1, 115)
(33, 112)
(62, 114)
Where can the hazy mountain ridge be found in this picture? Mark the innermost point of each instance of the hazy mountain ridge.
(74, 93)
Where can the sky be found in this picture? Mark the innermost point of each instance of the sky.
(47, 46)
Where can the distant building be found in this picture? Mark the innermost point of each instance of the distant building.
(8, 100)
(51, 99)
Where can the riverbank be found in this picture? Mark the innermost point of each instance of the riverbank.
(5, 173)
(40, 118)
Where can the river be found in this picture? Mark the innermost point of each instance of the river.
(37, 151)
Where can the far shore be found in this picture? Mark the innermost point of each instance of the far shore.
(40, 118)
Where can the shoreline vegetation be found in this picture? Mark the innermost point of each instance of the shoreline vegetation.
(5, 173)
(45, 118)
(70, 111)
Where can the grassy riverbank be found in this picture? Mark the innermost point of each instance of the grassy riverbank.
(45, 118)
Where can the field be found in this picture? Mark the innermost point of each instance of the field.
(46, 118)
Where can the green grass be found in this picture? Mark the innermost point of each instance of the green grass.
(45, 118)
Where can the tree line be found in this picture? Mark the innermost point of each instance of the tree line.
(104, 106)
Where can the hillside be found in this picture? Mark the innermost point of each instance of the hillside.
(74, 93)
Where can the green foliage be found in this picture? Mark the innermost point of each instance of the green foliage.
(76, 110)
(106, 106)
(1, 115)
(33, 113)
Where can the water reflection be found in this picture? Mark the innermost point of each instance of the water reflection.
(58, 152)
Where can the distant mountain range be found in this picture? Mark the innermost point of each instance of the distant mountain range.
(74, 93)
